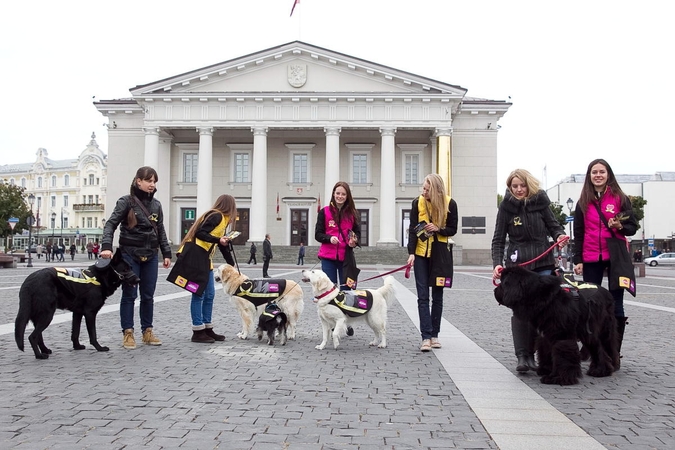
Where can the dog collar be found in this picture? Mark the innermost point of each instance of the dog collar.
(318, 297)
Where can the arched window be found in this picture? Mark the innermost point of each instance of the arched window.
(39, 180)
(53, 180)
(66, 180)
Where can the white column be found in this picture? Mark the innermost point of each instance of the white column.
(387, 236)
(444, 157)
(163, 193)
(259, 201)
(151, 147)
(332, 172)
(205, 170)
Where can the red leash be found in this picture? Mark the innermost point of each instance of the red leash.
(407, 273)
(562, 241)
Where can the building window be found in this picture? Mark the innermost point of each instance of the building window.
(11, 182)
(190, 167)
(412, 162)
(53, 180)
(65, 200)
(39, 202)
(88, 222)
(66, 180)
(91, 178)
(90, 200)
(39, 182)
(53, 201)
(23, 182)
(473, 225)
(359, 156)
(65, 222)
(300, 174)
(96, 200)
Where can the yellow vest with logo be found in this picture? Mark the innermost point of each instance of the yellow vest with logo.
(424, 247)
(218, 231)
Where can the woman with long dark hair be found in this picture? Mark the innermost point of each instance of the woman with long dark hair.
(601, 194)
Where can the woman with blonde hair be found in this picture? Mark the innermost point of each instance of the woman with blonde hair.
(433, 217)
(208, 232)
(526, 218)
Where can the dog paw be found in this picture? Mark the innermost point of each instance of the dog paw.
(382, 345)
(41, 356)
(320, 346)
(241, 335)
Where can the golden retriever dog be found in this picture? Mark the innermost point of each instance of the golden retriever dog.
(249, 297)
(340, 309)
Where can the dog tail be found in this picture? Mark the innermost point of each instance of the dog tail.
(387, 290)
(20, 324)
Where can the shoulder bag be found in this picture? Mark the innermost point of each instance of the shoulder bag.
(621, 272)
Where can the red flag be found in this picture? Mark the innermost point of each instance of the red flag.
(277, 203)
(295, 2)
(318, 204)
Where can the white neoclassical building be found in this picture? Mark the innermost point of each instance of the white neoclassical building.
(277, 128)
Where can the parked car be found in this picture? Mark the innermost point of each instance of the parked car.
(663, 258)
(33, 248)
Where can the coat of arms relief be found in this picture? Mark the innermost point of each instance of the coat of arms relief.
(297, 75)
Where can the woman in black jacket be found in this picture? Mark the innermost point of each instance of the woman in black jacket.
(526, 218)
(142, 233)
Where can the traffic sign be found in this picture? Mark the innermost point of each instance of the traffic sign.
(12, 222)
(569, 219)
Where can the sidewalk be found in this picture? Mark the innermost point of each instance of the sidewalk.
(246, 395)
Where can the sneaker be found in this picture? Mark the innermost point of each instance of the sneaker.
(435, 343)
(129, 342)
(149, 338)
(426, 345)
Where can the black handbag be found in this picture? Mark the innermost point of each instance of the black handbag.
(621, 272)
(192, 269)
(441, 266)
(350, 270)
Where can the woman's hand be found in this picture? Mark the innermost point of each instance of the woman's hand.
(411, 260)
(167, 263)
(334, 240)
(497, 272)
(106, 254)
(578, 268)
(431, 228)
(562, 241)
(353, 241)
(613, 222)
(224, 240)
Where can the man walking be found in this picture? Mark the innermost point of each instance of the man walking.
(267, 255)
(301, 255)
(253, 250)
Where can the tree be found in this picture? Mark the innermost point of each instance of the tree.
(12, 204)
(558, 213)
(638, 203)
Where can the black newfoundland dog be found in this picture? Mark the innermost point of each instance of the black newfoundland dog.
(563, 312)
(81, 291)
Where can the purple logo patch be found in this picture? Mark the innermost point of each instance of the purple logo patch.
(363, 303)
(273, 287)
(192, 286)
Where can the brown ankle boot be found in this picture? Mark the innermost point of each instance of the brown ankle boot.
(201, 337)
(212, 334)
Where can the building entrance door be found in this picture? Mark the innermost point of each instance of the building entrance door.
(299, 223)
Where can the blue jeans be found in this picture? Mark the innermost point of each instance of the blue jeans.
(593, 273)
(147, 272)
(430, 321)
(201, 308)
(334, 270)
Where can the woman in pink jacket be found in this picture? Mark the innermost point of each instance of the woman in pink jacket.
(601, 194)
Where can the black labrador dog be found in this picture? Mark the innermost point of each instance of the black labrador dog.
(82, 292)
(564, 312)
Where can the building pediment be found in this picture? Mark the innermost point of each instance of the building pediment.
(296, 68)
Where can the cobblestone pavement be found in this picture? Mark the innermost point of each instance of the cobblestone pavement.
(245, 395)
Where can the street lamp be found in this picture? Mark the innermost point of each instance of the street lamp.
(570, 203)
(31, 200)
(53, 225)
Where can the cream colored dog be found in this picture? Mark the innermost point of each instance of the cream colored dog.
(335, 321)
(289, 300)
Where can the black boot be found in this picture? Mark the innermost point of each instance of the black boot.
(523, 342)
(212, 334)
(201, 337)
(621, 328)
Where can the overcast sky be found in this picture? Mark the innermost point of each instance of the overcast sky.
(588, 79)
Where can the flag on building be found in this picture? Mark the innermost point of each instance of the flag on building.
(318, 204)
(277, 204)
(295, 2)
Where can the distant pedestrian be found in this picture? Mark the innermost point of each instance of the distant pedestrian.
(62, 252)
(301, 255)
(95, 249)
(39, 250)
(267, 255)
(90, 250)
(73, 250)
(48, 252)
(254, 249)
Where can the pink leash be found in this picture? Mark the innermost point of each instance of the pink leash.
(407, 273)
(563, 241)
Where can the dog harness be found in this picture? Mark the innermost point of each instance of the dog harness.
(353, 303)
(573, 287)
(262, 291)
(272, 310)
(76, 282)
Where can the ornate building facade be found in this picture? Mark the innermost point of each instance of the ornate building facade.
(69, 195)
(277, 128)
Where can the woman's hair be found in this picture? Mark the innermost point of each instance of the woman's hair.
(144, 173)
(526, 177)
(438, 212)
(224, 204)
(349, 208)
(588, 190)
